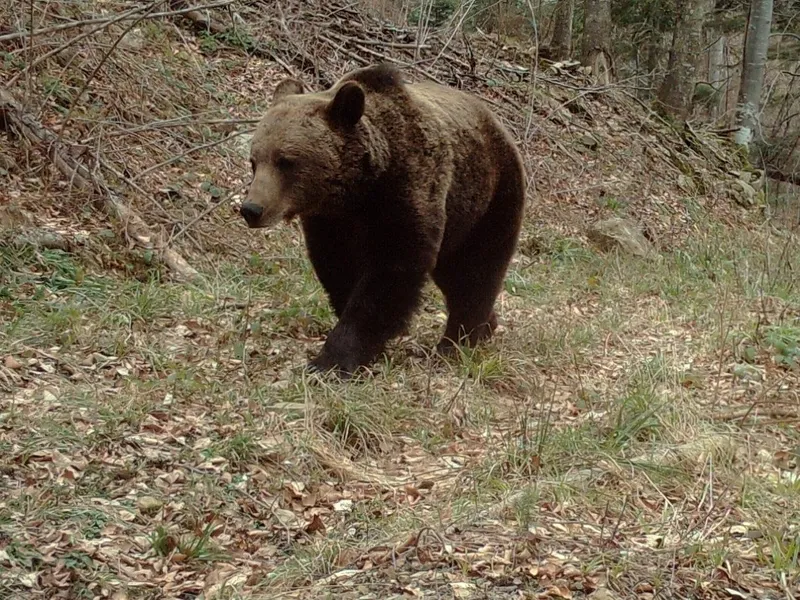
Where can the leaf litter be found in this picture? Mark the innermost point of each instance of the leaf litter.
(156, 440)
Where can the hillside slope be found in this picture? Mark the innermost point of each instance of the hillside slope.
(631, 432)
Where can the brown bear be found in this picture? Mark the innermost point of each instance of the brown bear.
(393, 182)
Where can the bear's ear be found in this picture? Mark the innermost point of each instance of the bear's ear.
(287, 87)
(347, 106)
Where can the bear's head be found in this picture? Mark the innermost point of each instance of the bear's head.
(307, 152)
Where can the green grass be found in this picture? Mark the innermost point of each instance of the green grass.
(602, 402)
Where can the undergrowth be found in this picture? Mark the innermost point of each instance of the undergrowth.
(608, 395)
(630, 429)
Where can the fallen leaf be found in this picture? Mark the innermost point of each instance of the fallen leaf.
(296, 487)
(557, 592)
(315, 525)
(12, 363)
(343, 506)
(603, 594)
(463, 590)
(285, 517)
(149, 505)
(411, 491)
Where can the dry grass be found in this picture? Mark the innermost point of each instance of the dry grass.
(632, 428)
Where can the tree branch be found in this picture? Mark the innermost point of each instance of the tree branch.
(106, 20)
(776, 173)
(47, 143)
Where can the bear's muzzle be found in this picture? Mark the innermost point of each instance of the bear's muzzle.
(252, 214)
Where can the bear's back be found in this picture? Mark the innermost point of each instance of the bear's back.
(386, 90)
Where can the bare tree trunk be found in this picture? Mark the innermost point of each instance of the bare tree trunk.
(561, 45)
(651, 62)
(716, 71)
(677, 89)
(759, 22)
(595, 50)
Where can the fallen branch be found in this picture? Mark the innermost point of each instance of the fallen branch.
(47, 240)
(779, 413)
(192, 150)
(722, 160)
(201, 23)
(780, 175)
(72, 41)
(103, 60)
(47, 142)
(108, 20)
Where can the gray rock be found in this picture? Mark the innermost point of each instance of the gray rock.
(619, 233)
(241, 143)
(744, 193)
(589, 141)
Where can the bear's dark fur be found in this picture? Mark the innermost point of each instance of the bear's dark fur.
(392, 182)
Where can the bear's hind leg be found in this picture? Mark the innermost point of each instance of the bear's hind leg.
(472, 276)
(470, 285)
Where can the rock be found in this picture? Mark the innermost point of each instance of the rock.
(343, 506)
(743, 193)
(620, 233)
(241, 144)
(758, 179)
(754, 178)
(133, 40)
(148, 505)
(589, 141)
(7, 164)
(746, 372)
(13, 217)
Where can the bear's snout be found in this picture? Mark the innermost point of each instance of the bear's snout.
(252, 213)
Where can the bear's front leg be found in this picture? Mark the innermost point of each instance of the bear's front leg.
(335, 249)
(379, 308)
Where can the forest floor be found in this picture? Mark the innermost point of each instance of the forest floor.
(631, 431)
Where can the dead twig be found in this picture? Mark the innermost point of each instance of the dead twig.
(48, 143)
(192, 150)
(203, 23)
(103, 60)
(109, 20)
(182, 231)
(72, 41)
(166, 124)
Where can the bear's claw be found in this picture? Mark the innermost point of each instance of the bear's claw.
(323, 365)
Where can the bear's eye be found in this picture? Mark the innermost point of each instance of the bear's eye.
(284, 163)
